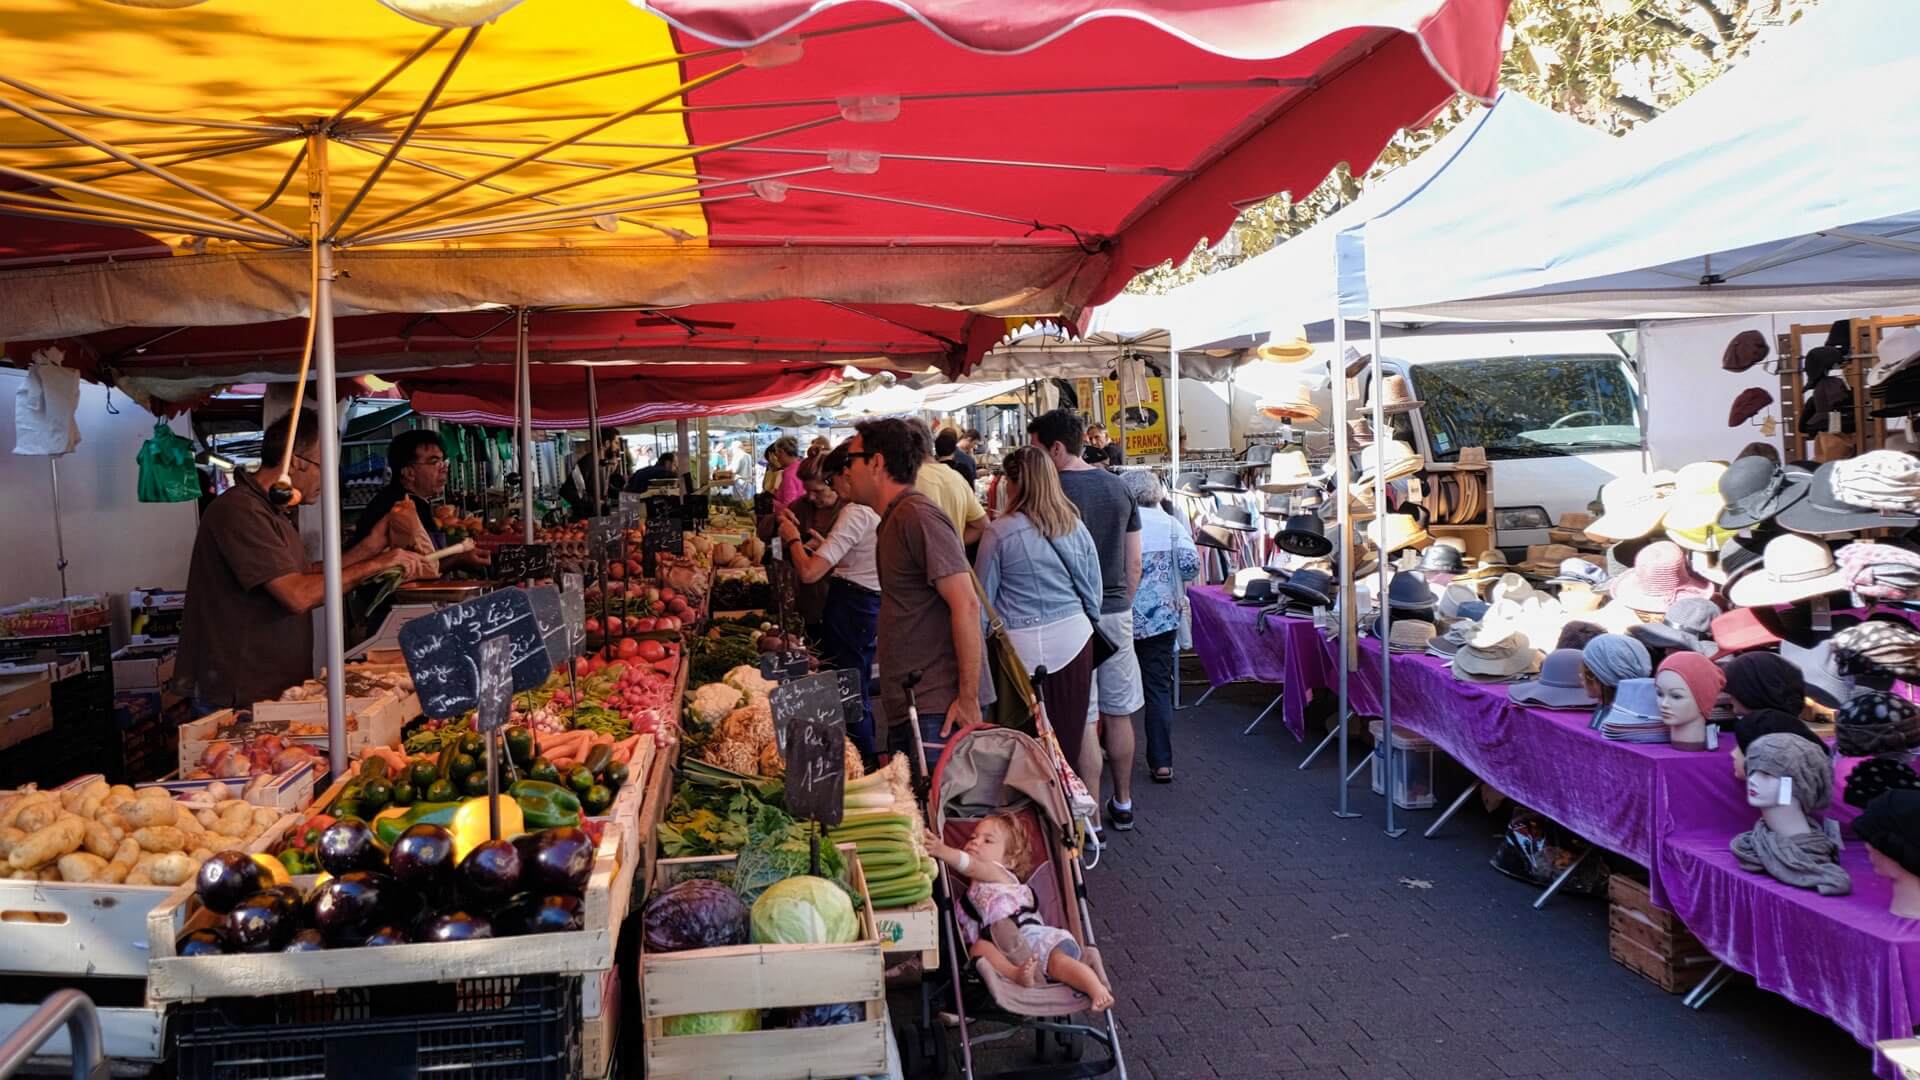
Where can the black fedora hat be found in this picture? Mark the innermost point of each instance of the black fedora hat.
(1217, 538)
(1442, 559)
(1304, 535)
(1408, 590)
(1224, 480)
(1755, 489)
(1279, 507)
(1309, 587)
(1194, 484)
(1237, 518)
(1823, 513)
(1259, 593)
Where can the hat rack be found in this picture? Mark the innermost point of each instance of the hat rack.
(1868, 433)
(1476, 529)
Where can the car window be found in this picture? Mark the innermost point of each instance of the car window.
(1525, 406)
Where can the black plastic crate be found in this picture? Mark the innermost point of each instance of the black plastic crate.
(508, 1028)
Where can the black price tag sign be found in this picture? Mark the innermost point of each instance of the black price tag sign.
(633, 507)
(522, 562)
(442, 650)
(663, 527)
(850, 696)
(495, 684)
(809, 711)
(550, 614)
(573, 611)
(784, 665)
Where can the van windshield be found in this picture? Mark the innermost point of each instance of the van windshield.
(1527, 406)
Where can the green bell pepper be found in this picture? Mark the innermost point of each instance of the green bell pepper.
(388, 829)
(545, 805)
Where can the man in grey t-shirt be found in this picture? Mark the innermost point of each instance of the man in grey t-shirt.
(1114, 520)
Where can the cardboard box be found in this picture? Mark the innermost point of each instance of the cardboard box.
(26, 707)
(143, 667)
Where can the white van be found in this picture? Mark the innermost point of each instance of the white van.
(1559, 415)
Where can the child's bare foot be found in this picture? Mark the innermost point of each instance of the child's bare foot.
(1032, 973)
(1102, 999)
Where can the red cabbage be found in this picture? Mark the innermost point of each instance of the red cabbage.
(695, 914)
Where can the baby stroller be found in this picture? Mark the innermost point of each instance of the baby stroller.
(988, 770)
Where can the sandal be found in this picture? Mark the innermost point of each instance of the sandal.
(1163, 775)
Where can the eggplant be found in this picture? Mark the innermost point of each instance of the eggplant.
(491, 871)
(562, 862)
(422, 860)
(207, 941)
(386, 935)
(530, 913)
(348, 845)
(226, 879)
(455, 926)
(263, 922)
(308, 940)
(344, 909)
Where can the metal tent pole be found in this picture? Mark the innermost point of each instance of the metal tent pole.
(682, 461)
(1173, 477)
(593, 439)
(330, 549)
(523, 381)
(59, 535)
(1381, 436)
(1343, 563)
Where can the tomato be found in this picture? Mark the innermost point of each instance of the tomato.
(667, 622)
(616, 571)
(647, 650)
(643, 624)
(630, 648)
(615, 626)
(591, 626)
(582, 666)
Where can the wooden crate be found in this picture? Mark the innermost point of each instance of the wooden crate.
(911, 929)
(195, 978)
(62, 928)
(373, 721)
(765, 977)
(599, 1023)
(1651, 940)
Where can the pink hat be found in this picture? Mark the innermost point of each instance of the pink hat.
(1660, 575)
(1881, 571)
(1704, 678)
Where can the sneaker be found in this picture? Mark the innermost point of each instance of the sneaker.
(1121, 820)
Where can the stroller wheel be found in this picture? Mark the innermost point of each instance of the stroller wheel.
(923, 1050)
(1073, 1045)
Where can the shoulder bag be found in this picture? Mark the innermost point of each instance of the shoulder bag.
(1102, 646)
(1014, 702)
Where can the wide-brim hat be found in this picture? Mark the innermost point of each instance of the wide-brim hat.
(1559, 685)
(1237, 518)
(1286, 470)
(1192, 484)
(1443, 559)
(1898, 349)
(1214, 536)
(1227, 480)
(1395, 458)
(1258, 592)
(1288, 348)
(1631, 507)
(1397, 396)
(1660, 575)
(1511, 655)
(1739, 556)
(1792, 568)
(1755, 489)
(1693, 513)
(1310, 587)
(1392, 532)
(1292, 402)
(1823, 513)
(1409, 635)
(1304, 536)
(1822, 678)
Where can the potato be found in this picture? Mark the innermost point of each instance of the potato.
(201, 855)
(208, 818)
(48, 873)
(11, 815)
(38, 816)
(47, 844)
(79, 866)
(126, 854)
(90, 806)
(9, 836)
(218, 791)
(114, 820)
(138, 876)
(172, 869)
(160, 838)
(158, 793)
(145, 812)
(265, 816)
(189, 824)
(99, 840)
(114, 874)
(227, 806)
(222, 842)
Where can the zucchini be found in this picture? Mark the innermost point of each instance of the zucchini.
(373, 768)
(599, 758)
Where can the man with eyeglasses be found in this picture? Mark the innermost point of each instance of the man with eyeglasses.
(248, 630)
(418, 460)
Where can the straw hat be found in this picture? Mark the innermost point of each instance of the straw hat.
(1498, 660)
(1793, 568)
(1693, 514)
(1399, 530)
(1396, 395)
(1544, 560)
(1660, 575)
(1286, 470)
(1395, 458)
(1409, 635)
(1360, 431)
(1633, 505)
(1285, 347)
(1293, 402)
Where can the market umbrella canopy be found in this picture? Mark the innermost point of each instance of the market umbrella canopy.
(592, 152)
(626, 393)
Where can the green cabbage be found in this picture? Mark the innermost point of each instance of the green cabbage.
(712, 1023)
(803, 910)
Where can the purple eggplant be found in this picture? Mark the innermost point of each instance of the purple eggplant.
(226, 879)
(562, 862)
(455, 926)
(491, 872)
(348, 845)
(263, 922)
(207, 941)
(346, 908)
(308, 940)
(530, 913)
(386, 935)
(422, 860)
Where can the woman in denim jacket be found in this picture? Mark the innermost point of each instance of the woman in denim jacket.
(1039, 569)
(1168, 561)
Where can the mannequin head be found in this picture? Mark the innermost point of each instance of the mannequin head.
(1891, 827)
(1760, 723)
(1689, 684)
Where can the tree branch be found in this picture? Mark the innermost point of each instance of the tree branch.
(1723, 23)
(1633, 105)
(1686, 33)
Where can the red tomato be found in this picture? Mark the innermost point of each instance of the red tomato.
(616, 571)
(643, 624)
(591, 626)
(582, 666)
(615, 626)
(667, 622)
(648, 650)
(630, 647)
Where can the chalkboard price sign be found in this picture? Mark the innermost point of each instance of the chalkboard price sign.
(809, 710)
(573, 610)
(633, 506)
(522, 562)
(495, 684)
(442, 650)
(784, 665)
(663, 526)
(549, 613)
(607, 538)
(850, 696)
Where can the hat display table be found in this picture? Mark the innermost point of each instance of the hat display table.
(1234, 646)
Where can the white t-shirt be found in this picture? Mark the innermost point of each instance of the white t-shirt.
(850, 545)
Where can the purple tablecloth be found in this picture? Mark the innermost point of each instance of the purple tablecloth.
(1844, 957)
(1237, 643)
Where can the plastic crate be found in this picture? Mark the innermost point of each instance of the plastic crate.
(1412, 769)
(513, 1028)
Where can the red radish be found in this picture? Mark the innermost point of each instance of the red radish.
(630, 647)
(646, 650)
(616, 571)
(667, 622)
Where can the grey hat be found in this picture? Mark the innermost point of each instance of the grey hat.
(1578, 571)
(1409, 590)
(1689, 622)
(1559, 685)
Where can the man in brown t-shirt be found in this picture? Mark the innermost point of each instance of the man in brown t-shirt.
(929, 614)
(248, 630)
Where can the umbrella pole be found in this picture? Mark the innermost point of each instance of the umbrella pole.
(1343, 477)
(523, 381)
(1380, 438)
(329, 402)
(59, 536)
(593, 440)
(1173, 477)
(682, 462)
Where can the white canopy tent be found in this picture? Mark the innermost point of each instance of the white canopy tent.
(1787, 184)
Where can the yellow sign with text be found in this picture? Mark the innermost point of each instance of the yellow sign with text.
(1146, 423)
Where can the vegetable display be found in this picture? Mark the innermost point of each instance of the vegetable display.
(694, 914)
(113, 834)
(803, 910)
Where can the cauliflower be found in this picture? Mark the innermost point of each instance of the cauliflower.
(712, 702)
(747, 679)
(748, 725)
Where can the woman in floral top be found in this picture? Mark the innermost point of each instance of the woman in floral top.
(1168, 560)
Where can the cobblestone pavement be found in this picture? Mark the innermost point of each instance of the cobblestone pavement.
(1250, 933)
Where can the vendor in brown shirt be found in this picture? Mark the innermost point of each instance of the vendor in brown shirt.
(248, 630)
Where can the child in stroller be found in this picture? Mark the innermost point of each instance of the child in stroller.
(1000, 914)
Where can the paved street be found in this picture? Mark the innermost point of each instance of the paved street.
(1250, 933)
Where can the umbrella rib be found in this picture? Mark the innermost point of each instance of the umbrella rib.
(286, 178)
(82, 109)
(586, 210)
(14, 204)
(163, 210)
(237, 147)
(469, 151)
(918, 204)
(147, 167)
(538, 152)
(476, 231)
(413, 125)
(581, 181)
(393, 73)
(198, 145)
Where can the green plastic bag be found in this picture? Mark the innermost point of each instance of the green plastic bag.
(167, 473)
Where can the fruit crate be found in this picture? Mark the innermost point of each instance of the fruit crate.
(1651, 940)
(175, 978)
(766, 977)
(522, 1027)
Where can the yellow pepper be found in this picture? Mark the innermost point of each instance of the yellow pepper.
(471, 826)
